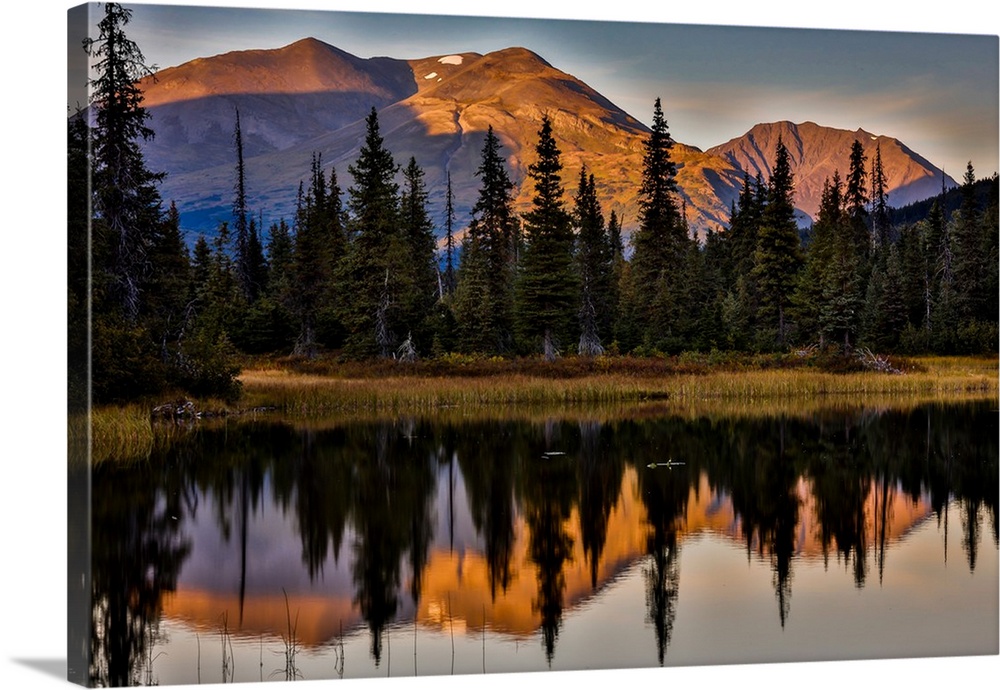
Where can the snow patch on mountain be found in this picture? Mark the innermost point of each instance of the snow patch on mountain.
(451, 60)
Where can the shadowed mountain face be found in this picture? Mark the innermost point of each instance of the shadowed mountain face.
(285, 97)
(311, 98)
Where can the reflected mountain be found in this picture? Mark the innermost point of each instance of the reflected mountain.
(510, 527)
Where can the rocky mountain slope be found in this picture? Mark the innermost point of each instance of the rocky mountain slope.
(311, 98)
(817, 152)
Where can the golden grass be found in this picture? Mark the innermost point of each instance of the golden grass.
(118, 433)
(307, 393)
(609, 413)
(599, 391)
(122, 433)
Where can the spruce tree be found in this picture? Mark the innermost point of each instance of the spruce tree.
(936, 266)
(476, 305)
(168, 294)
(546, 292)
(744, 225)
(658, 215)
(884, 316)
(698, 325)
(856, 200)
(777, 258)
(280, 258)
(969, 267)
(373, 207)
(278, 294)
(843, 293)
(485, 293)
(912, 262)
(659, 241)
(740, 302)
(201, 266)
(449, 279)
(595, 262)
(249, 260)
(418, 269)
(331, 217)
(207, 358)
(880, 201)
(619, 279)
(711, 331)
(311, 262)
(615, 237)
(808, 300)
(318, 248)
(126, 201)
(139, 345)
(241, 224)
(842, 274)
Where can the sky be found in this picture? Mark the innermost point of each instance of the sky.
(33, 304)
(937, 93)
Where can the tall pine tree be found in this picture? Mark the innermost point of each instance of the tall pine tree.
(595, 262)
(778, 257)
(417, 267)
(250, 266)
(968, 256)
(881, 225)
(484, 296)
(659, 242)
(126, 201)
(449, 279)
(140, 344)
(808, 300)
(546, 293)
(856, 200)
(319, 245)
(373, 206)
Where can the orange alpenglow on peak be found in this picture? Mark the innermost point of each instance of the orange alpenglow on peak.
(456, 588)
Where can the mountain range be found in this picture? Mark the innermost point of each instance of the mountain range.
(310, 98)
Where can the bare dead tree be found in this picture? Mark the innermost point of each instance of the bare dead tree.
(407, 352)
(383, 335)
(590, 342)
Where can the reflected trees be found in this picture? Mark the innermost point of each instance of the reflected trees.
(138, 549)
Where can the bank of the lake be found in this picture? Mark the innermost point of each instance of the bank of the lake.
(306, 388)
(604, 388)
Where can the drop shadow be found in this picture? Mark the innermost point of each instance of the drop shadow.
(50, 667)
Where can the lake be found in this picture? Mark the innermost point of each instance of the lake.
(269, 548)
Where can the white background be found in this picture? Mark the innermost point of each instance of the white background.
(32, 335)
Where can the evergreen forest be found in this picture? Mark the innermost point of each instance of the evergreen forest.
(358, 271)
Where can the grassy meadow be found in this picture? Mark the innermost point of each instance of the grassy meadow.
(306, 388)
(326, 391)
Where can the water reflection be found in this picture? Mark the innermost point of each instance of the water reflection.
(506, 526)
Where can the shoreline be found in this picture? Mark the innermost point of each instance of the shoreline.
(325, 392)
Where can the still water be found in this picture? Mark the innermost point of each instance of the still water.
(272, 549)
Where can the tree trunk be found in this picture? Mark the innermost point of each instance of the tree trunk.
(549, 346)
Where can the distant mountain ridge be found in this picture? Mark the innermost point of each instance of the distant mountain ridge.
(818, 152)
(285, 96)
(311, 98)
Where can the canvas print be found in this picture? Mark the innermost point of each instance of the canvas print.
(416, 345)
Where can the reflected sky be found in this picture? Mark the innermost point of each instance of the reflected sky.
(726, 614)
(552, 544)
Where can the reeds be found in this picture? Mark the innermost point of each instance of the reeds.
(600, 388)
(121, 434)
(310, 394)
(291, 642)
